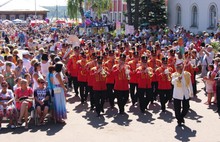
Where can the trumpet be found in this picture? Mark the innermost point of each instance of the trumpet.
(167, 73)
(127, 73)
(102, 72)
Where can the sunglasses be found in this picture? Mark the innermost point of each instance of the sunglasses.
(4, 85)
(42, 82)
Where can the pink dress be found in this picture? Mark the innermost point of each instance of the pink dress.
(210, 83)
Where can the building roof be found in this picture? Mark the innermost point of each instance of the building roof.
(21, 5)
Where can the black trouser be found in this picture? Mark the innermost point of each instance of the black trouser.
(194, 85)
(74, 81)
(122, 98)
(134, 97)
(177, 108)
(83, 89)
(110, 94)
(165, 96)
(218, 96)
(99, 97)
(154, 90)
(91, 94)
(144, 97)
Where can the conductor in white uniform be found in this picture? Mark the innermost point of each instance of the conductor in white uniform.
(182, 92)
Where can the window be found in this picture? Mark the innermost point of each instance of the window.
(178, 9)
(21, 17)
(12, 17)
(194, 16)
(115, 18)
(3, 17)
(119, 17)
(212, 17)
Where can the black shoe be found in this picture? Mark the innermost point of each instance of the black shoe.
(179, 123)
(121, 112)
(92, 108)
(98, 115)
(102, 110)
(217, 111)
(183, 121)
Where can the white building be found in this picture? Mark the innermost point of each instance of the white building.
(194, 15)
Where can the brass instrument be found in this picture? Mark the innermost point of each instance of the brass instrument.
(167, 73)
(127, 73)
(103, 73)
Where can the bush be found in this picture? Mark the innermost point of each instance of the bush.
(216, 46)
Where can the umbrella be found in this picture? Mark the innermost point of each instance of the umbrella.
(7, 22)
(17, 21)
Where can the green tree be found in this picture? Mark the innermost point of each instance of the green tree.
(152, 12)
(101, 6)
(74, 7)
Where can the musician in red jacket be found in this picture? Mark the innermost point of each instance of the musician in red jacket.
(90, 79)
(154, 63)
(164, 83)
(110, 78)
(121, 74)
(144, 80)
(72, 70)
(133, 64)
(82, 77)
(99, 85)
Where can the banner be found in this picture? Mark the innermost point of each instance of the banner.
(129, 29)
(118, 28)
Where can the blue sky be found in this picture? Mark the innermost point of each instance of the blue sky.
(45, 2)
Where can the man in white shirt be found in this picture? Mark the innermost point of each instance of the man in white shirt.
(207, 57)
(182, 91)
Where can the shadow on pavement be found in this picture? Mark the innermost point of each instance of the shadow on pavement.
(155, 107)
(111, 112)
(73, 99)
(213, 107)
(142, 117)
(167, 116)
(183, 133)
(122, 119)
(94, 121)
(81, 107)
(50, 128)
(194, 116)
(196, 99)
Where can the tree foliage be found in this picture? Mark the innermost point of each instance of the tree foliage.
(99, 6)
(148, 11)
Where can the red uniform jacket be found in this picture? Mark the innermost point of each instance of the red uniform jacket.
(109, 66)
(164, 80)
(99, 82)
(144, 80)
(154, 64)
(121, 80)
(72, 65)
(82, 72)
(133, 74)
